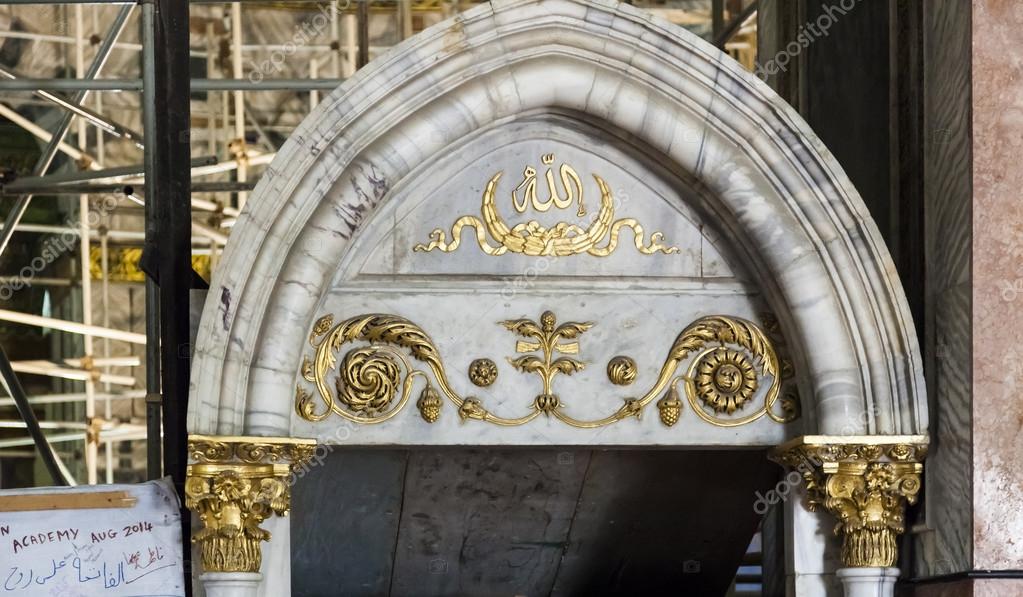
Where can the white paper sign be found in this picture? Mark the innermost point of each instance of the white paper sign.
(117, 552)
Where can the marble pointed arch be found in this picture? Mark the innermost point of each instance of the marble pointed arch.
(770, 183)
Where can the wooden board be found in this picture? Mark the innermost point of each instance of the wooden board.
(66, 501)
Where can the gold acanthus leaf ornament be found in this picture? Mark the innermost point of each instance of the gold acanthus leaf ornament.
(729, 359)
(547, 338)
(376, 381)
(865, 482)
(232, 486)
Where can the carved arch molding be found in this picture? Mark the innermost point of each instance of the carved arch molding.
(626, 204)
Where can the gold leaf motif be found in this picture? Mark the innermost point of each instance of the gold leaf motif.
(725, 380)
(234, 486)
(322, 325)
(374, 382)
(368, 381)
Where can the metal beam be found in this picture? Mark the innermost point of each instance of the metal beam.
(154, 443)
(28, 183)
(362, 16)
(71, 326)
(169, 202)
(126, 188)
(166, 106)
(95, 118)
(50, 369)
(114, 435)
(196, 84)
(20, 2)
(102, 53)
(721, 37)
(10, 381)
(73, 152)
(75, 397)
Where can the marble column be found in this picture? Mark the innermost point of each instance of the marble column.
(234, 485)
(997, 276)
(864, 483)
(868, 582)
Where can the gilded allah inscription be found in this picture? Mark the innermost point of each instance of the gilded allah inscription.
(599, 237)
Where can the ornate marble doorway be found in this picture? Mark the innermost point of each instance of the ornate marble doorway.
(556, 224)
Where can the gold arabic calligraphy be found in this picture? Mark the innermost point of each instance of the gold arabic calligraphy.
(569, 178)
(533, 239)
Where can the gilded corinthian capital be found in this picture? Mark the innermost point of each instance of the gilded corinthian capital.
(865, 482)
(233, 484)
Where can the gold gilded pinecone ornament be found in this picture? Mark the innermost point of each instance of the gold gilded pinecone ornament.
(429, 404)
(669, 407)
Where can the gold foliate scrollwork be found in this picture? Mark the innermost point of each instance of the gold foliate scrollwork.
(865, 483)
(533, 239)
(208, 449)
(375, 384)
(233, 485)
(730, 357)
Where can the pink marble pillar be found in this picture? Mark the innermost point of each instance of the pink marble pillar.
(997, 273)
(970, 543)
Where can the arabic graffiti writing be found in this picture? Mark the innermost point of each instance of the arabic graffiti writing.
(122, 551)
(531, 238)
(88, 565)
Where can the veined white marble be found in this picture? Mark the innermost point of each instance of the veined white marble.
(232, 584)
(811, 551)
(721, 150)
(868, 582)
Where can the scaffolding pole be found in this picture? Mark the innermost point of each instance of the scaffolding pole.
(10, 380)
(154, 454)
(70, 326)
(95, 118)
(166, 119)
(196, 85)
(15, 215)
